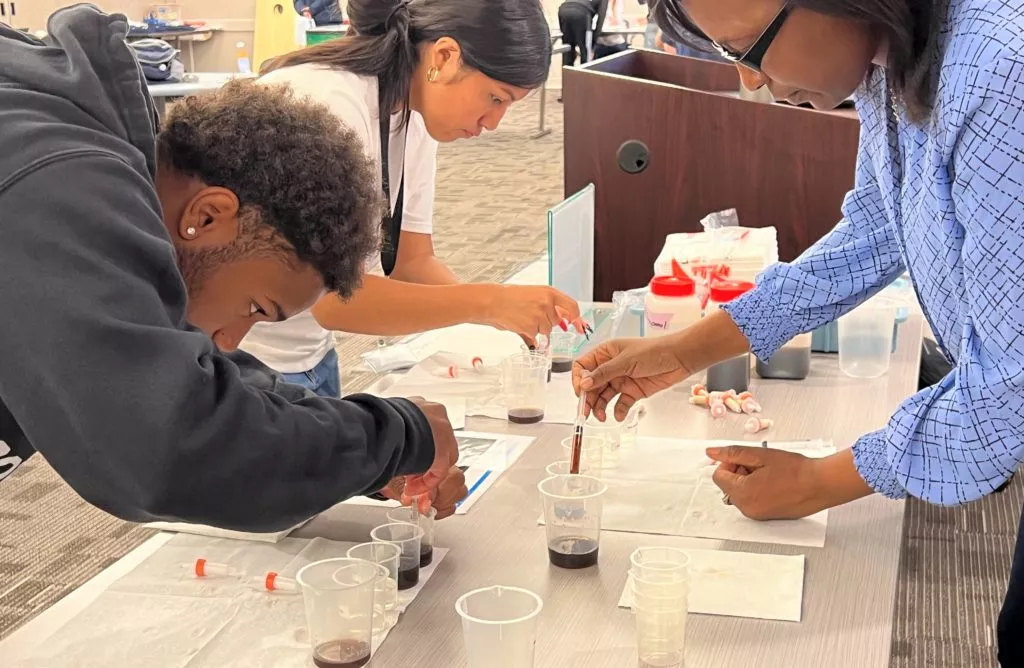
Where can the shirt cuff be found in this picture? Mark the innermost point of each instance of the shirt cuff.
(870, 456)
(766, 323)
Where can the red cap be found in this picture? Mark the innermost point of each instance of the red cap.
(726, 291)
(672, 286)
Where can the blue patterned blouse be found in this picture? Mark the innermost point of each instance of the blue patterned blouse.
(944, 200)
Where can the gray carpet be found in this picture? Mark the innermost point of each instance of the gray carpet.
(491, 198)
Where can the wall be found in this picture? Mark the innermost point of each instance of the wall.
(234, 17)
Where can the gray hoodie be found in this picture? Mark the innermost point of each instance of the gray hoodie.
(99, 371)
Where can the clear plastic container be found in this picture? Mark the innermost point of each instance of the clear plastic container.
(790, 362)
(865, 340)
(572, 519)
(670, 305)
(524, 384)
(732, 374)
(499, 626)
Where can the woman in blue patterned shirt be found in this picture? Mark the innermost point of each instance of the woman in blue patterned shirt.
(939, 192)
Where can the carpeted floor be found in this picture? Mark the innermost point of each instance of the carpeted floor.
(491, 198)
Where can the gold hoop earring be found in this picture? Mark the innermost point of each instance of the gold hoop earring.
(432, 74)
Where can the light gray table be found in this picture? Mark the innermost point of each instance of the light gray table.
(849, 584)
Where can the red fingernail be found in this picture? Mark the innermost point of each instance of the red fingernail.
(564, 325)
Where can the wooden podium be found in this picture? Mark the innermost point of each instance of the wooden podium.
(706, 150)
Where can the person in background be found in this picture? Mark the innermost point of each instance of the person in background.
(132, 262)
(323, 12)
(938, 192)
(411, 75)
(576, 18)
(679, 48)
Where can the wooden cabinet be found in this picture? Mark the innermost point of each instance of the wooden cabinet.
(706, 150)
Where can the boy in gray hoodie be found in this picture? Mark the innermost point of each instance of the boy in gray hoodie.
(126, 255)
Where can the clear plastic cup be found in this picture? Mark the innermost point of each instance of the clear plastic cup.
(865, 340)
(592, 454)
(524, 384)
(572, 519)
(338, 597)
(385, 555)
(660, 637)
(499, 625)
(425, 521)
(561, 347)
(408, 538)
(646, 562)
(562, 468)
(611, 432)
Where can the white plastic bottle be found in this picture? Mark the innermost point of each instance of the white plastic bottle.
(670, 305)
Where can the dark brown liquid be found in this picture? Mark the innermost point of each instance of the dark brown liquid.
(573, 552)
(341, 654)
(525, 415)
(426, 555)
(408, 574)
(561, 364)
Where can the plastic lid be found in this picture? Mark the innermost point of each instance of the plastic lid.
(726, 291)
(672, 286)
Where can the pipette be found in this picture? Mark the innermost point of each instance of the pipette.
(577, 435)
(274, 583)
(202, 568)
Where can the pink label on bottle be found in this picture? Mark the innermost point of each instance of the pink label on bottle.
(659, 320)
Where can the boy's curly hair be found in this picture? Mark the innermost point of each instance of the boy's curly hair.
(293, 166)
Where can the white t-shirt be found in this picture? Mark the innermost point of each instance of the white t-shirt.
(300, 343)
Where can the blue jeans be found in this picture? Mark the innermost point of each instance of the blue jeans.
(323, 379)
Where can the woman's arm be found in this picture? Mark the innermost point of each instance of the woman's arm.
(855, 260)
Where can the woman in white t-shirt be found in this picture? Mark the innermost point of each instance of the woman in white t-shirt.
(447, 70)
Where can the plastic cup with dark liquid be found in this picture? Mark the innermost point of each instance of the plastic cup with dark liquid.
(338, 596)
(524, 386)
(409, 538)
(425, 521)
(572, 517)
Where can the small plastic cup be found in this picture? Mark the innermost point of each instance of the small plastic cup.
(408, 538)
(338, 597)
(646, 562)
(865, 340)
(592, 455)
(561, 347)
(425, 521)
(562, 468)
(660, 637)
(524, 384)
(386, 555)
(499, 625)
(572, 519)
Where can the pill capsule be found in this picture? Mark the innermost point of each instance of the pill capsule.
(756, 424)
(743, 396)
(749, 406)
(700, 400)
(698, 390)
(732, 404)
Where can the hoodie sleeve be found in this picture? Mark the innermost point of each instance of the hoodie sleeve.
(138, 411)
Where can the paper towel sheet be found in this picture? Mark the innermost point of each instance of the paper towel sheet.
(740, 584)
(159, 616)
(664, 486)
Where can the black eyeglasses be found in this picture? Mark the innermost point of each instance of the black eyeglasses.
(753, 56)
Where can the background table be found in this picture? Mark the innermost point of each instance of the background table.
(197, 83)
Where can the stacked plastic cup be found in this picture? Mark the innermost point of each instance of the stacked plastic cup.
(660, 580)
(338, 596)
(499, 625)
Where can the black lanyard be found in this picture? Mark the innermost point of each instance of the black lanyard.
(391, 224)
